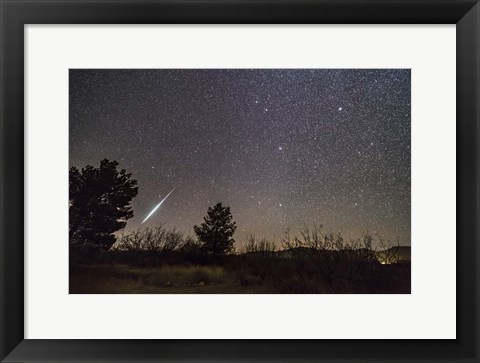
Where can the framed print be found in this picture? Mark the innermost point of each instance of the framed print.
(239, 181)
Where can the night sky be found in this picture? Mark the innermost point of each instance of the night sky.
(282, 148)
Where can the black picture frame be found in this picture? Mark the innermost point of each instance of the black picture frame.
(15, 14)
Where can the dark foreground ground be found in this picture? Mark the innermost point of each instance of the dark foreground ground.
(244, 274)
(123, 279)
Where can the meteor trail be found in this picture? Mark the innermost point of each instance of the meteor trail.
(158, 205)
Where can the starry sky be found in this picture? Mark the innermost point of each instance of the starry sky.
(281, 147)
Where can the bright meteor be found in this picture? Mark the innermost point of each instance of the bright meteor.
(158, 206)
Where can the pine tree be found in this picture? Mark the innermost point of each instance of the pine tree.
(99, 203)
(217, 230)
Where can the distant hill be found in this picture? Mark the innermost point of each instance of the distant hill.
(395, 254)
(390, 255)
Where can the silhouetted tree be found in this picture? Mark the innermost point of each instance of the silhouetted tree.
(217, 230)
(99, 203)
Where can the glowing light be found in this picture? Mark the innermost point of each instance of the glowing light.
(158, 206)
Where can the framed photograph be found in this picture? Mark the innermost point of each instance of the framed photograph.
(240, 181)
(266, 156)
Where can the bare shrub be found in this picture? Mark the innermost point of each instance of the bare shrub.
(388, 254)
(152, 239)
(252, 245)
(191, 245)
(342, 265)
(257, 261)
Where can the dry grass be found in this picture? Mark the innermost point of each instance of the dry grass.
(122, 279)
